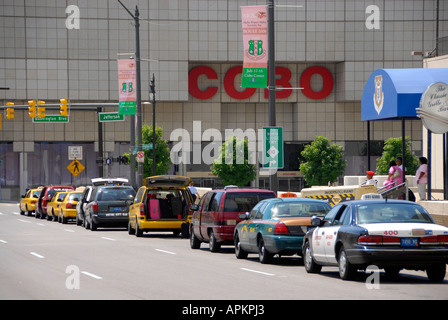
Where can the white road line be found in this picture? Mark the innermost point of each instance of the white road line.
(255, 271)
(41, 224)
(91, 275)
(106, 238)
(68, 230)
(3, 241)
(169, 252)
(37, 255)
(1, 213)
(23, 221)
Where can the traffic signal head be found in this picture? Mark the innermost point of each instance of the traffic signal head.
(40, 109)
(32, 109)
(64, 109)
(10, 111)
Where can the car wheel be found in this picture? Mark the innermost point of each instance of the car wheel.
(131, 231)
(64, 220)
(93, 225)
(346, 270)
(213, 244)
(239, 252)
(195, 243)
(138, 232)
(310, 265)
(436, 272)
(265, 255)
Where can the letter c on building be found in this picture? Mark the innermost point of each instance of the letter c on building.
(193, 87)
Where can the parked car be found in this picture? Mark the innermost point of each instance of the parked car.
(109, 207)
(67, 209)
(390, 234)
(276, 226)
(54, 204)
(162, 204)
(216, 216)
(29, 200)
(87, 192)
(45, 196)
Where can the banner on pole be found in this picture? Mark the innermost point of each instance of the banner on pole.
(255, 39)
(127, 87)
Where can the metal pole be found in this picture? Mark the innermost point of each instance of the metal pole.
(153, 91)
(429, 151)
(403, 152)
(139, 97)
(100, 145)
(273, 181)
(368, 145)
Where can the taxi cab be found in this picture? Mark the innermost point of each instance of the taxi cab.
(162, 204)
(67, 209)
(389, 234)
(54, 205)
(29, 200)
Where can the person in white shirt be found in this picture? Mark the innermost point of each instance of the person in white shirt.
(370, 180)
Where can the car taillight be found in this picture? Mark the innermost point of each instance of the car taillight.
(68, 206)
(366, 239)
(95, 206)
(280, 228)
(434, 239)
(142, 209)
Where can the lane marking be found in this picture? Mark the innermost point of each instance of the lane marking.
(3, 241)
(91, 275)
(169, 252)
(24, 221)
(106, 238)
(68, 230)
(37, 255)
(259, 272)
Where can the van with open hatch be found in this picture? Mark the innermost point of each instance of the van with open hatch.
(216, 216)
(161, 204)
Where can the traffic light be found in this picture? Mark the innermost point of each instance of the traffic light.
(32, 109)
(64, 108)
(40, 109)
(10, 111)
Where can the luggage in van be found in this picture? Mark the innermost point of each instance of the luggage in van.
(154, 209)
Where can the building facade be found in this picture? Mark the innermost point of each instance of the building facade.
(50, 50)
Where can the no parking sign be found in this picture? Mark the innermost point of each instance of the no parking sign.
(140, 156)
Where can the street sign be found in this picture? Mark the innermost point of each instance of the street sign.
(111, 117)
(74, 152)
(55, 118)
(140, 156)
(273, 147)
(75, 167)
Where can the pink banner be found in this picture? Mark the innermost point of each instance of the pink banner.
(127, 87)
(255, 40)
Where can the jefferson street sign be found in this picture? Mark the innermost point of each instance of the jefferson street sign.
(111, 117)
(273, 147)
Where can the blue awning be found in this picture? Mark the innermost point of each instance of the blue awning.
(392, 94)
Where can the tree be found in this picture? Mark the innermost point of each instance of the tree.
(163, 159)
(393, 149)
(323, 162)
(230, 166)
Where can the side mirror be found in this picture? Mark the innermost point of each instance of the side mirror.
(316, 222)
(194, 207)
(243, 216)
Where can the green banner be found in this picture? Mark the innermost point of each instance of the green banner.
(255, 78)
(127, 107)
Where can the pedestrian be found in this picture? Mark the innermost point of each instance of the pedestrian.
(194, 191)
(395, 177)
(399, 161)
(422, 177)
(370, 180)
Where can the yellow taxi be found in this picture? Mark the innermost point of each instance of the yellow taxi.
(67, 208)
(29, 200)
(162, 204)
(54, 204)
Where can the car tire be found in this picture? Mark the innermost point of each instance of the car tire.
(195, 243)
(138, 232)
(64, 220)
(310, 265)
(213, 243)
(436, 272)
(240, 253)
(93, 225)
(131, 231)
(264, 255)
(347, 271)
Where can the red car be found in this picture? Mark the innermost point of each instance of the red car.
(216, 216)
(45, 196)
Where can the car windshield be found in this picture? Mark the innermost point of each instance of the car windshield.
(115, 194)
(244, 201)
(73, 196)
(391, 213)
(300, 209)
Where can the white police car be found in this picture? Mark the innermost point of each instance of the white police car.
(390, 234)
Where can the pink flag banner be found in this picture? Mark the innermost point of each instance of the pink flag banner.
(255, 39)
(127, 87)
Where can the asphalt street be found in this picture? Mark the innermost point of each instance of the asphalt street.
(47, 260)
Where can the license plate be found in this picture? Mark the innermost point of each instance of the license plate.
(409, 242)
(116, 209)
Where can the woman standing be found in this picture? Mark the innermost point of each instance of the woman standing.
(422, 177)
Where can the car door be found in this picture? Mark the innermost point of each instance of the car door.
(331, 233)
(204, 216)
(252, 225)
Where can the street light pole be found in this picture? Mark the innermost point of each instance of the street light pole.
(139, 181)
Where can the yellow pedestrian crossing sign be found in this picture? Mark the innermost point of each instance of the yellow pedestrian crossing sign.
(75, 167)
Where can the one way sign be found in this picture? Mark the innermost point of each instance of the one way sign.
(273, 148)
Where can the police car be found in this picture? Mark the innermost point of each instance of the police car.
(390, 234)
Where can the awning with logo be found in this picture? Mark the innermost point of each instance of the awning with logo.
(393, 94)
